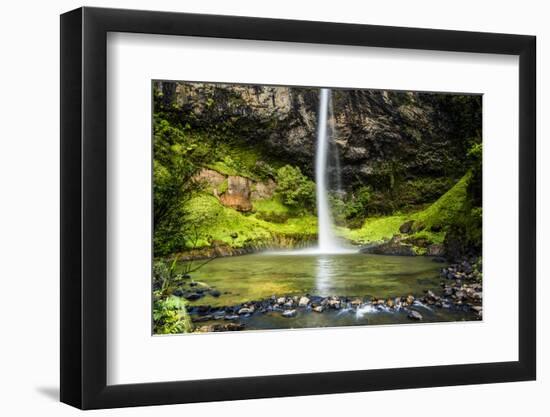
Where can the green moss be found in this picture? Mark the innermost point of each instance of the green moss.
(244, 161)
(433, 237)
(271, 210)
(222, 188)
(273, 205)
(447, 208)
(430, 224)
(419, 251)
(375, 229)
(218, 224)
(305, 226)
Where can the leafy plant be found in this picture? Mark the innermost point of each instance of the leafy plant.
(177, 160)
(295, 189)
(352, 209)
(170, 315)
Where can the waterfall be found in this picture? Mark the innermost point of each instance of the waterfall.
(328, 243)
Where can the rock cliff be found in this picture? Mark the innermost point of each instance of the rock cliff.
(377, 134)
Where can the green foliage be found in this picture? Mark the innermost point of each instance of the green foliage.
(264, 170)
(177, 159)
(416, 192)
(447, 209)
(272, 210)
(231, 159)
(216, 223)
(464, 113)
(376, 229)
(295, 189)
(169, 312)
(170, 315)
(213, 131)
(222, 188)
(428, 235)
(229, 166)
(406, 195)
(475, 157)
(352, 209)
(450, 211)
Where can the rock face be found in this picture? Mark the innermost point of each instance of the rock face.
(237, 194)
(406, 227)
(394, 246)
(262, 190)
(211, 177)
(375, 131)
(435, 250)
(235, 191)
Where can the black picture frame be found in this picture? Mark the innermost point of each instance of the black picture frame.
(84, 207)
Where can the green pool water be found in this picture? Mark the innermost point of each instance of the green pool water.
(256, 277)
(259, 276)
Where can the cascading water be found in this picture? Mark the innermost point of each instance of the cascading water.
(328, 243)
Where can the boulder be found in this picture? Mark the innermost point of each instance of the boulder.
(201, 318)
(431, 296)
(334, 303)
(356, 302)
(394, 246)
(289, 313)
(237, 195)
(213, 178)
(406, 227)
(193, 296)
(221, 327)
(303, 302)
(246, 310)
(460, 295)
(414, 315)
(263, 190)
(435, 250)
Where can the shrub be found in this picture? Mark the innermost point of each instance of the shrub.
(295, 189)
(351, 210)
(170, 315)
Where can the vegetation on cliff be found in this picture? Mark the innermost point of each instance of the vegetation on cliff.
(405, 157)
(454, 214)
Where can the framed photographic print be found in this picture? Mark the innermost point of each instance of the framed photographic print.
(256, 208)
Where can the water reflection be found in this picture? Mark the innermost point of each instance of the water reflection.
(325, 271)
(259, 276)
